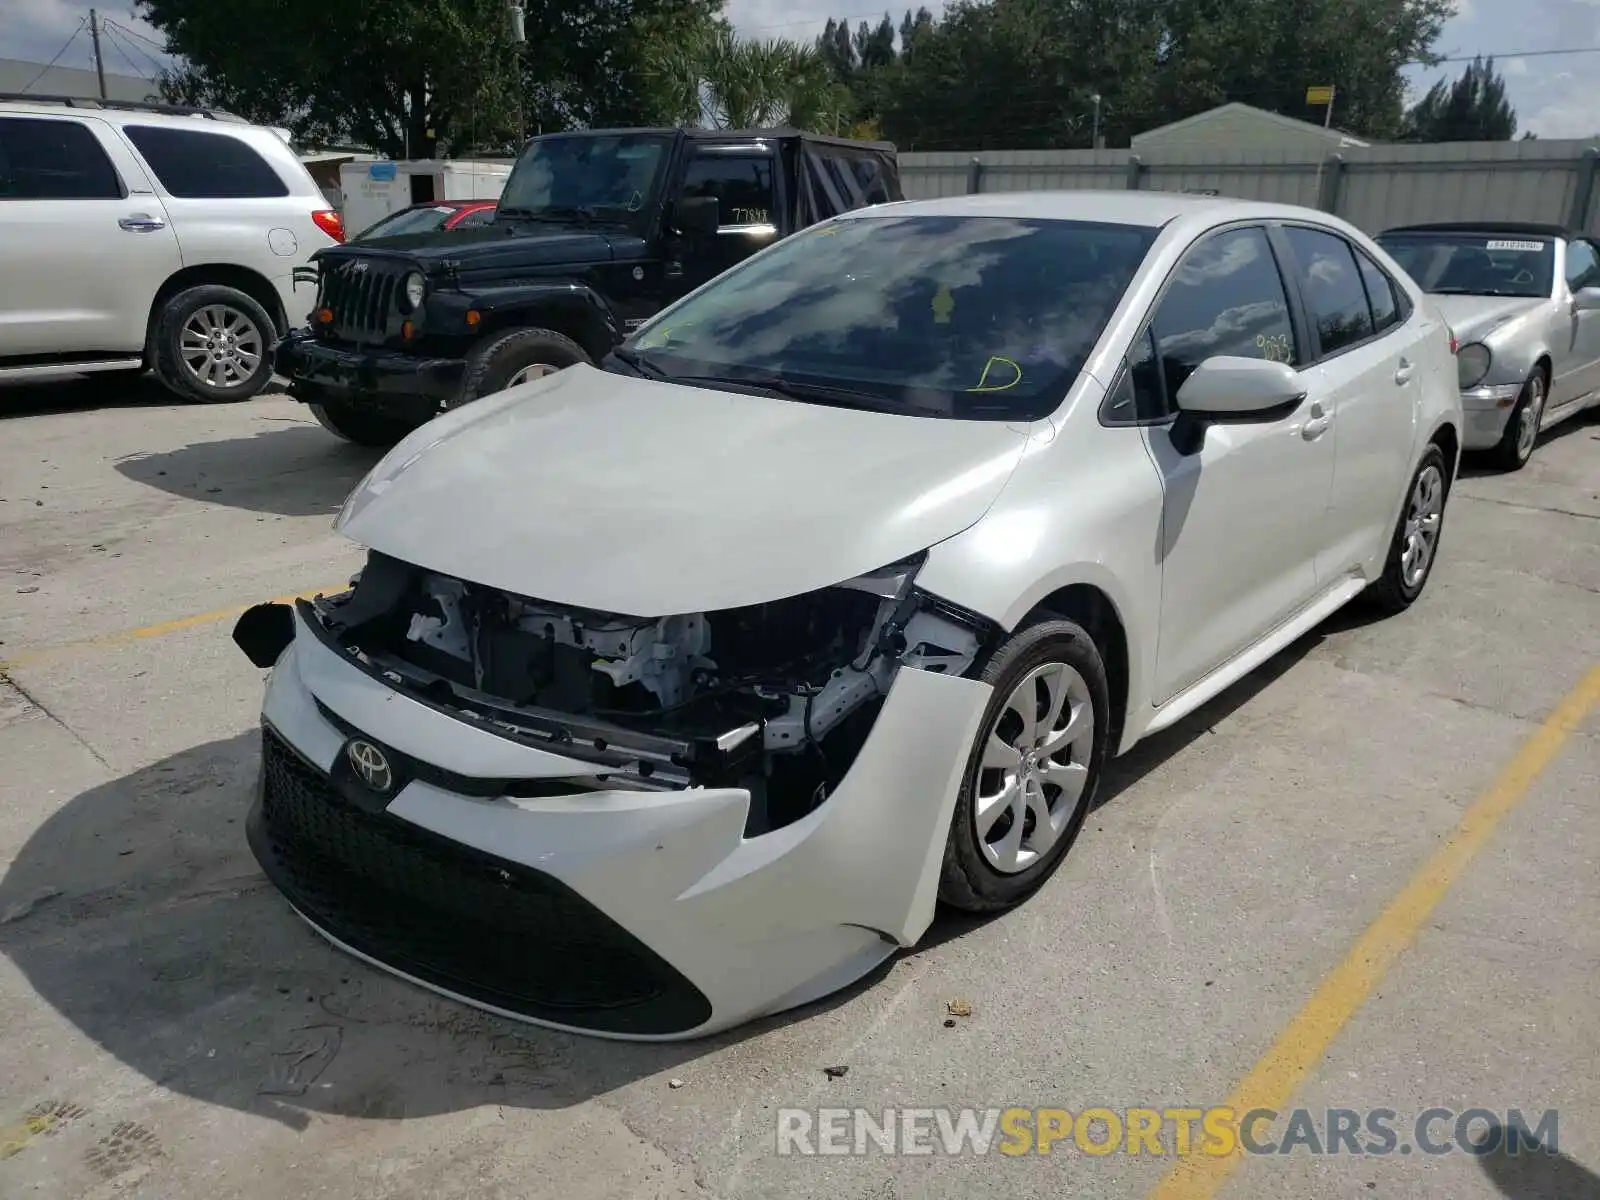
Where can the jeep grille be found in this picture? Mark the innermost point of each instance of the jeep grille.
(362, 294)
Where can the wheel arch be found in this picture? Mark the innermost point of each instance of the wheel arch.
(252, 283)
(1089, 606)
(573, 311)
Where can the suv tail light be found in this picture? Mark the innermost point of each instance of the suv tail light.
(330, 222)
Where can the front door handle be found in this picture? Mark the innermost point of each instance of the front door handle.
(1316, 424)
(1402, 374)
(142, 223)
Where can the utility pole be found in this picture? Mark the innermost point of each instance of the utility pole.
(99, 59)
(519, 36)
(1094, 141)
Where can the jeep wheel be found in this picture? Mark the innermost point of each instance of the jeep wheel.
(343, 419)
(211, 345)
(516, 357)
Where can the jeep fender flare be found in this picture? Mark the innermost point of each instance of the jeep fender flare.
(573, 309)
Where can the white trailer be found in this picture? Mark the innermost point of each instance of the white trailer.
(373, 190)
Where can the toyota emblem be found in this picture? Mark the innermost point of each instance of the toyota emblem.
(371, 764)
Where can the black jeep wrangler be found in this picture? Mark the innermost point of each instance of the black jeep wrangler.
(595, 232)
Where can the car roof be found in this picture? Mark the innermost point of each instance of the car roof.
(1525, 228)
(1139, 208)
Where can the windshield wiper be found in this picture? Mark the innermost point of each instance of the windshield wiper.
(580, 215)
(786, 389)
(639, 363)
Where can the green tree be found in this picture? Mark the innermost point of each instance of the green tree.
(719, 80)
(415, 78)
(1473, 108)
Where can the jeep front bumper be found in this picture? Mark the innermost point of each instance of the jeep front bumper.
(389, 382)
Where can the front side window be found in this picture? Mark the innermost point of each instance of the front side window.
(194, 165)
(1475, 264)
(1332, 285)
(984, 318)
(43, 159)
(1583, 269)
(1226, 297)
(608, 177)
(741, 184)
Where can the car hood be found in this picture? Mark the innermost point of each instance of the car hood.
(636, 497)
(1472, 318)
(488, 247)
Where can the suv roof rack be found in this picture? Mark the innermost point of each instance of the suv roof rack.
(150, 106)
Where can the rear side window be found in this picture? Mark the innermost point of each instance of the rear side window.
(196, 165)
(1333, 289)
(1381, 296)
(54, 160)
(1225, 298)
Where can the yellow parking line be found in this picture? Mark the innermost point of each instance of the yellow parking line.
(125, 637)
(1304, 1041)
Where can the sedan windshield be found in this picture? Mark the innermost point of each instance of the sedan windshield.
(585, 177)
(1475, 264)
(986, 318)
(407, 220)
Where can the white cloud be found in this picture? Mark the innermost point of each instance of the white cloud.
(1572, 117)
(1512, 67)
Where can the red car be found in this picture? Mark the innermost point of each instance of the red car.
(430, 217)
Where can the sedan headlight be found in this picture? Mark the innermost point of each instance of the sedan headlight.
(1472, 364)
(415, 286)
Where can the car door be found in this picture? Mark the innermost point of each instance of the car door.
(1364, 372)
(1238, 537)
(743, 181)
(1579, 373)
(84, 242)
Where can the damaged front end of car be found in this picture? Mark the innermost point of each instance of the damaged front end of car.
(776, 699)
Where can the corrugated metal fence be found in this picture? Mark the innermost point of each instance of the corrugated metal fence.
(1374, 188)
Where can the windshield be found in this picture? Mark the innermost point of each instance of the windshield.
(407, 220)
(1481, 264)
(605, 176)
(968, 317)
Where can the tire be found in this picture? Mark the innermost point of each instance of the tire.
(194, 356)
(978, 874)
(1398, 587)
(509, 358)
(1516, 445)
(362, 428)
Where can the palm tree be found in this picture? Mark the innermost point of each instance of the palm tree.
(721, 81)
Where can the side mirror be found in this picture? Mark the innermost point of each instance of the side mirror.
(1586, 299)
(1225, 389)
(697, 215)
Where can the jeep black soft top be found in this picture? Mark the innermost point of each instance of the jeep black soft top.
(596, 231)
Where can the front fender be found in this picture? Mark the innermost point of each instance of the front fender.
(571, 308)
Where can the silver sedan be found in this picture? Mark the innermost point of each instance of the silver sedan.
(1524, 304)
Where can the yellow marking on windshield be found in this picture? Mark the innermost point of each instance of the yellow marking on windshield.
(983, 380)
(943, 304)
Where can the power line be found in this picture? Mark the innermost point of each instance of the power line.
(126, 35)
(148, 41)
(45, 70)
(118, 42)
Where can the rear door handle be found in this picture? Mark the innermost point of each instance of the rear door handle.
(142, 223)
(1316, 424)
(1402, 373)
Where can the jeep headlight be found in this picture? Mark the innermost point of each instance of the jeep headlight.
(1472, 364)
(415, 287)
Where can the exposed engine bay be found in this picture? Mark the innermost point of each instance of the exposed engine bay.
(777, 698)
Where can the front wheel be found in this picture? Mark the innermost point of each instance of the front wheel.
(1032, 773)
(354, 425)
(1415, 545)
(516, 357)
(1516, 445)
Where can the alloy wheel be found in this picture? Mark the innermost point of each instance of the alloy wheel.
(221, 346)
(1528, 419)
(1034, 768)
(1424, 516)
(531, 372)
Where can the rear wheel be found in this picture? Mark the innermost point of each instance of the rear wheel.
(516, 357)
(1032, 774)
(211, 345)
(1522, 428)
(353, 425)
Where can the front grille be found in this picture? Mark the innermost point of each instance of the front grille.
(479, 926)
(363, 295)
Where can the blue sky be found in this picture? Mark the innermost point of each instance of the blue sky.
(1555, 95)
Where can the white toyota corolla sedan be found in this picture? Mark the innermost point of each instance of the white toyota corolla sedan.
(677, 691)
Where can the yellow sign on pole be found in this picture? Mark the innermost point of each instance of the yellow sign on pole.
(1319, 95)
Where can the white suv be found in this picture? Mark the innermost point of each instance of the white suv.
(143, 236)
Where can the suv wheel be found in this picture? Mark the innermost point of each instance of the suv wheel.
(353, 425)
(515, 357)
(212, 344)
